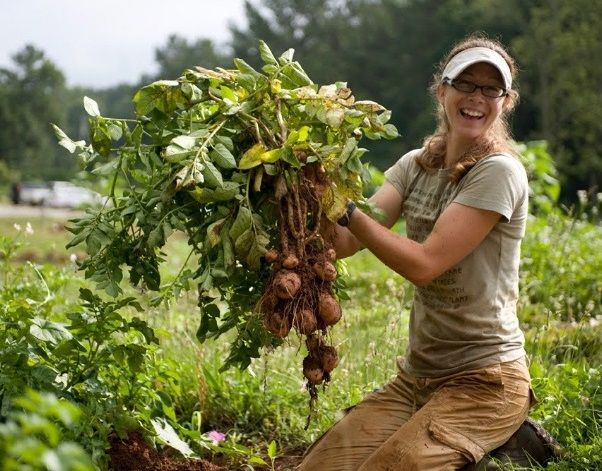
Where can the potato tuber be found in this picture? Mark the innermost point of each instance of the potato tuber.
(328, 309)
(312, 370)
(326, 271)
(329, 358)
(305, 322)
(277, 323)
(286, 284)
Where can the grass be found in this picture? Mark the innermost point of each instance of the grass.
(47, 242)
(559, 311)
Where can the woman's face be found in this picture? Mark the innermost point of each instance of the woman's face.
(470, 115)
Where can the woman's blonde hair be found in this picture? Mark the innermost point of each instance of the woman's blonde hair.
(497, 138)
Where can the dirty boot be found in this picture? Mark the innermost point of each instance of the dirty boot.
(530, 445)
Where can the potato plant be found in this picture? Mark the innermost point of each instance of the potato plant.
(254, 168)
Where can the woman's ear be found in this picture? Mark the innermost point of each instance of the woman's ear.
(508, 104)
(440, 94)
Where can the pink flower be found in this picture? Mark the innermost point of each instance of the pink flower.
(216, 436)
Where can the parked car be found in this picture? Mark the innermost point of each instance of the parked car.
(68, 195)
(30, 193)
(55, 194)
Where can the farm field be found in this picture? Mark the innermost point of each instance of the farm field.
(122, 370)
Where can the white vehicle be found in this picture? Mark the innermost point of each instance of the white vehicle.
(68, 195)
(31, 193)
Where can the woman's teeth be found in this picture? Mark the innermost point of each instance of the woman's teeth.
(471, 113)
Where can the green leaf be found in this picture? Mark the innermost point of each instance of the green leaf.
(155, 237)
(296, 75)
(209, 315)
(272, 449)
(226, 141)
(266, 54)
(205, 195)
(242, 222)
(163, 95)
(287, 56)
(115, 132)
(289, 157)
(243, 244)
(179, 148)
(222, 156)
(48, 331)
(91, 107)
(245, 68)
(227, 247)
(303, 133)
(213, 177)
(106, 169)
(390, 131)
(192, 92)
(252, 157)
(99, 136)
(213, 232)
(228, 94)
(65, 141)
(347, 150)
(256, 251)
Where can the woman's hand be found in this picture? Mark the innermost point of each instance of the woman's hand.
(388, 199)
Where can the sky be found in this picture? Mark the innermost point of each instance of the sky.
(101, 43)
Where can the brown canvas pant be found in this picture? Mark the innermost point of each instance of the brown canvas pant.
(427, 423)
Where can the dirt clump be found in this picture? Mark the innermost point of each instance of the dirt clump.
(134, 454)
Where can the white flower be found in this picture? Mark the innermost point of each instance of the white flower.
(28, 229)
(73, 258)
(17, 227)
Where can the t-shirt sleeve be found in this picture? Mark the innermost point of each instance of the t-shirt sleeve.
(497, 183)
(398, 174)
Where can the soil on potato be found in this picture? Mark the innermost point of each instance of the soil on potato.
(134, 454)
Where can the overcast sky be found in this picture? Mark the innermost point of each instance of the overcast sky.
(100, 43)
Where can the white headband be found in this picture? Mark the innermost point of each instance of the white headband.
(471, 56)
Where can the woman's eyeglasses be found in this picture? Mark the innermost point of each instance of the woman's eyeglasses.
(489, 91)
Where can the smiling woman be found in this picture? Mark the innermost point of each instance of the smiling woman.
(463, 388)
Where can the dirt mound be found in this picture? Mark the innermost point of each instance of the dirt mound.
(133, 454)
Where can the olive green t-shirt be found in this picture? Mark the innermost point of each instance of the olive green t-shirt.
(466, 318)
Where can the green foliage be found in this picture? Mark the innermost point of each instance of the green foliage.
(562, 77)
(206, 156)
(33, 436)
(30, 98)
(570, 405)
(89, 355)
(560, 267)
(543, 177)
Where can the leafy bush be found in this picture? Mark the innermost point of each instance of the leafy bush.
(33, 436)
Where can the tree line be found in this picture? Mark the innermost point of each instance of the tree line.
(385, 49)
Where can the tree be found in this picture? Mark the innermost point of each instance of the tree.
(31, 97)
(178, 54)
(562, 74)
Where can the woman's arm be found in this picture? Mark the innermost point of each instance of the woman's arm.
(457, 232)
(386, 198)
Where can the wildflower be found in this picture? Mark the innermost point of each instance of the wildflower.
(216, 437)
(73, 258)
(17, 227)
(28, 229)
